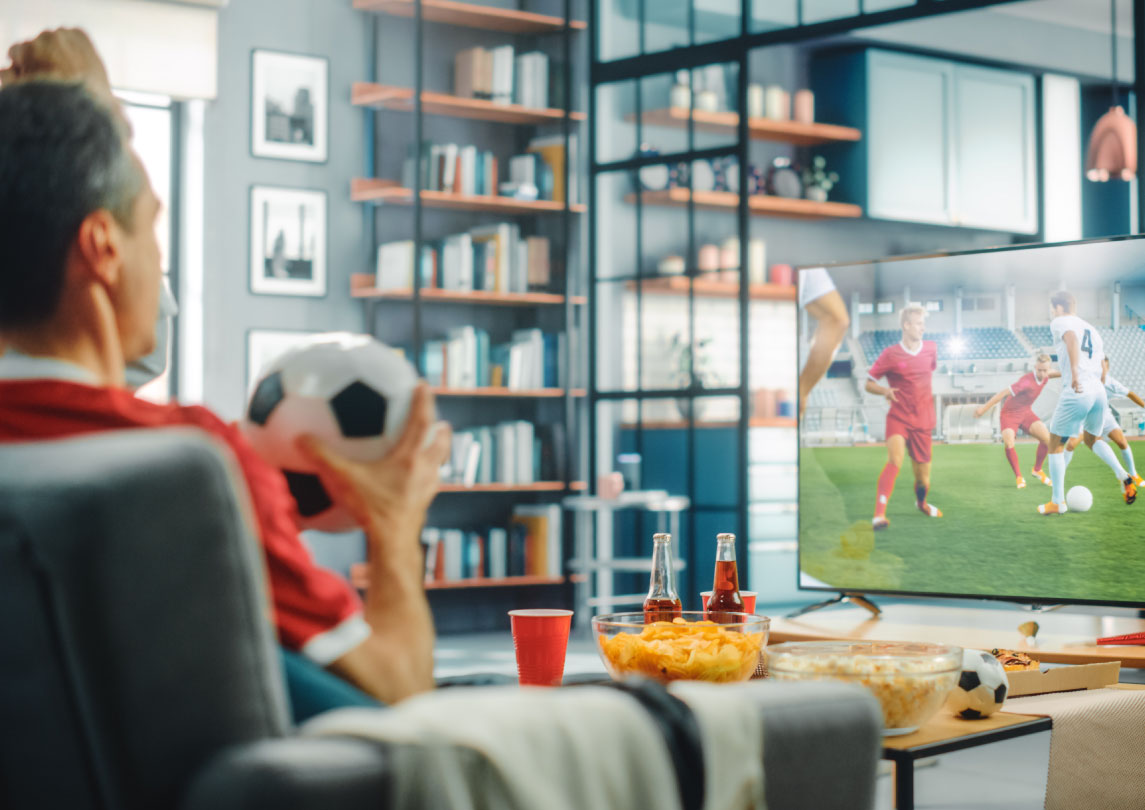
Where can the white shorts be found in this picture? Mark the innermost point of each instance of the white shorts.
(1110, 424)
(1075, 411)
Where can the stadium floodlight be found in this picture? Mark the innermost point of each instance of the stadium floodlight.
(956, 346)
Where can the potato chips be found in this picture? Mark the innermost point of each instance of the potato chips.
(681, 650)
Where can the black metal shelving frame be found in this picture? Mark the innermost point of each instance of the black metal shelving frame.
(731, 51)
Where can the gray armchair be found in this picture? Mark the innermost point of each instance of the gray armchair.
(138, 668)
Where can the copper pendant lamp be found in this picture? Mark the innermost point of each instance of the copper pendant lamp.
(1112, 149)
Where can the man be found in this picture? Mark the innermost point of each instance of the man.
(908, 367)
(79, 295)
(1112, 431)
(1083, 402)
(818, 296)
(1018, 414)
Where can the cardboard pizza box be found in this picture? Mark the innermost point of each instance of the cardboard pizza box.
(1063, 679)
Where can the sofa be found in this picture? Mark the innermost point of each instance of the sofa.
(139, 667)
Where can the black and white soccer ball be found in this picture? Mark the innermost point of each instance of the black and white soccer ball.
(351, 391)
(981, 688)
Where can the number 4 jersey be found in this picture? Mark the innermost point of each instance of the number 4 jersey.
(1090, 350)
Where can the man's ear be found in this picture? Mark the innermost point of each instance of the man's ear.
(98, 245)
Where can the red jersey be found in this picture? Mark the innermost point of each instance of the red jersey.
(315, 610)
(1023, 393)
(909, 374)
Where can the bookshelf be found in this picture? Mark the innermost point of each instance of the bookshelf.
(713, 288)
(760, 129)
(434, 130)
(760, 205)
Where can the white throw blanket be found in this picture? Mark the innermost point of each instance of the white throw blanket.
(510, 748)
(1097, 747)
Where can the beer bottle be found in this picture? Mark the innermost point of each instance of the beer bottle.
(725, 589)
(663, 603)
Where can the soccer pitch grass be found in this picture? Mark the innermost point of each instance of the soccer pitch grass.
(991, 539)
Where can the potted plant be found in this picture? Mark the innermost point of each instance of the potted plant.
(817, 181)
(681, 354)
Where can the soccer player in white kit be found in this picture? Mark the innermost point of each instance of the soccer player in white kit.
(1083, 402)
(817, 295)
(1112, 431)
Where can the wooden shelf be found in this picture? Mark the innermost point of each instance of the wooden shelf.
(681, 424)
(508, 393)
(760, 129)
(541, 486)
(362, 286)
(387, 191)
(759, 204)
(712, 288)
(486, 582)
(471, 15)
(381, 96)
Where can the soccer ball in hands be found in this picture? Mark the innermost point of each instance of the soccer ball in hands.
(350, 391)
(1079, 499)
(981, 687)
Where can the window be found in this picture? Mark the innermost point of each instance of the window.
(933, 306)
(866, 308)
(152, 124)
(886, 307)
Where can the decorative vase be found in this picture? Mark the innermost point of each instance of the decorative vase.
(815, 194)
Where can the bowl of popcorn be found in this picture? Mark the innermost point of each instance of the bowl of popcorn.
(687, 648)
(909, 679)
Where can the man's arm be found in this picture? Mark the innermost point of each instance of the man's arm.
(990, 403)
(882, 391)
(1140, 403)
(389, 499)
(832, 320)
(1053, 374)
(1073, 350)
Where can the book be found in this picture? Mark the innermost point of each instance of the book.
(551, 149)
(453, 540)
(394, 269)
(497, 553)
(503, 74)
(430, 538)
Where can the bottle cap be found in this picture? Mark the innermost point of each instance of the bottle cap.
(661, 536)
(725, 536)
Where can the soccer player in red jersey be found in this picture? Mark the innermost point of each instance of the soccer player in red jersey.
(908, 367)
(1018, 414)
(79, 296)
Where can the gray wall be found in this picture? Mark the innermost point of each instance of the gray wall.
(314, 27)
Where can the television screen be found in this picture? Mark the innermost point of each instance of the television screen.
(981, 429)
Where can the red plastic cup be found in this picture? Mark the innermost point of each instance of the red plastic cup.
(748, 600)
(540, 638)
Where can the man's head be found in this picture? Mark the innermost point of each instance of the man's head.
(77, 215)
(1062, 303)
(1043, 363)
(913, 319)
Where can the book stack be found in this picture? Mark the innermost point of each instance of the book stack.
(530, 546)
(502, 76)
(543, 168)
(465, 358)
(452, 168)
(507, 453)
(494, 258)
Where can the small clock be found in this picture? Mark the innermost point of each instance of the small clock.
(783, 180)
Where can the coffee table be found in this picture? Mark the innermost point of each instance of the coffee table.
(946, 733)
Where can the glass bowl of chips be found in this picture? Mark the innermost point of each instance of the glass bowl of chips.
(910, 680)
(687, 648)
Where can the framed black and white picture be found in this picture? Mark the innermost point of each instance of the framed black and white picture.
(289, 103)
(265, 345)
(287, 241)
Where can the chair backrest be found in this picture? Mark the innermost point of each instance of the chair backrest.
(134, 619)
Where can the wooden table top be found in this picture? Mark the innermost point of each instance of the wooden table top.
(1062, 639)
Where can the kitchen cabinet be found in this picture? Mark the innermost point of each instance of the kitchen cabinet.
(943, 142)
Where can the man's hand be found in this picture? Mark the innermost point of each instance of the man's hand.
(1076, 385)
(66, 54)
(891, 394)
(393, 493)
(978, 412)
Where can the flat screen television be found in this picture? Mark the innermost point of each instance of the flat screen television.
(985, 319)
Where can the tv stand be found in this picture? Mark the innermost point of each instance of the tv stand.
(1035, 608)
(856, 599)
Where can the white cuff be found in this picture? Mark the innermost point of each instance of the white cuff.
(329, 646)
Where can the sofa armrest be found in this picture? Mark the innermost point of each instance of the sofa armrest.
(294, 774)
(822, 742)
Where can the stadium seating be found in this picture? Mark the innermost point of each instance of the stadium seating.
(1126, 349)
(960, 425)
(1039, 336)
(980, 343)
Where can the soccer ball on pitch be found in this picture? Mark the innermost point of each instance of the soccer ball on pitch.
(1079, 499)
(981, 687)
(350, 391)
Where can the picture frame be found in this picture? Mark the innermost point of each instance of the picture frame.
(264, 345)
(290, 98)
(287, 241)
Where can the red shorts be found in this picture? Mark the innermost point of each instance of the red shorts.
(1018, 421)
(917, 439)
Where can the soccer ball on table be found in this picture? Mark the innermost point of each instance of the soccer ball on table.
(350, 391)
(981, 688)
(1079, 499)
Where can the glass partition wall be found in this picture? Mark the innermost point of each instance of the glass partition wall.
(699, 213)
